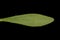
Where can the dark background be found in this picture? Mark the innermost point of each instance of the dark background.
(9, 9)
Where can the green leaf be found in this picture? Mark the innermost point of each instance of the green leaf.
(32, 20)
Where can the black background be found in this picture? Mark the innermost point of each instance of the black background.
(9, 9)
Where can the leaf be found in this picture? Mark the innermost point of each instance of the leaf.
(32, 20)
